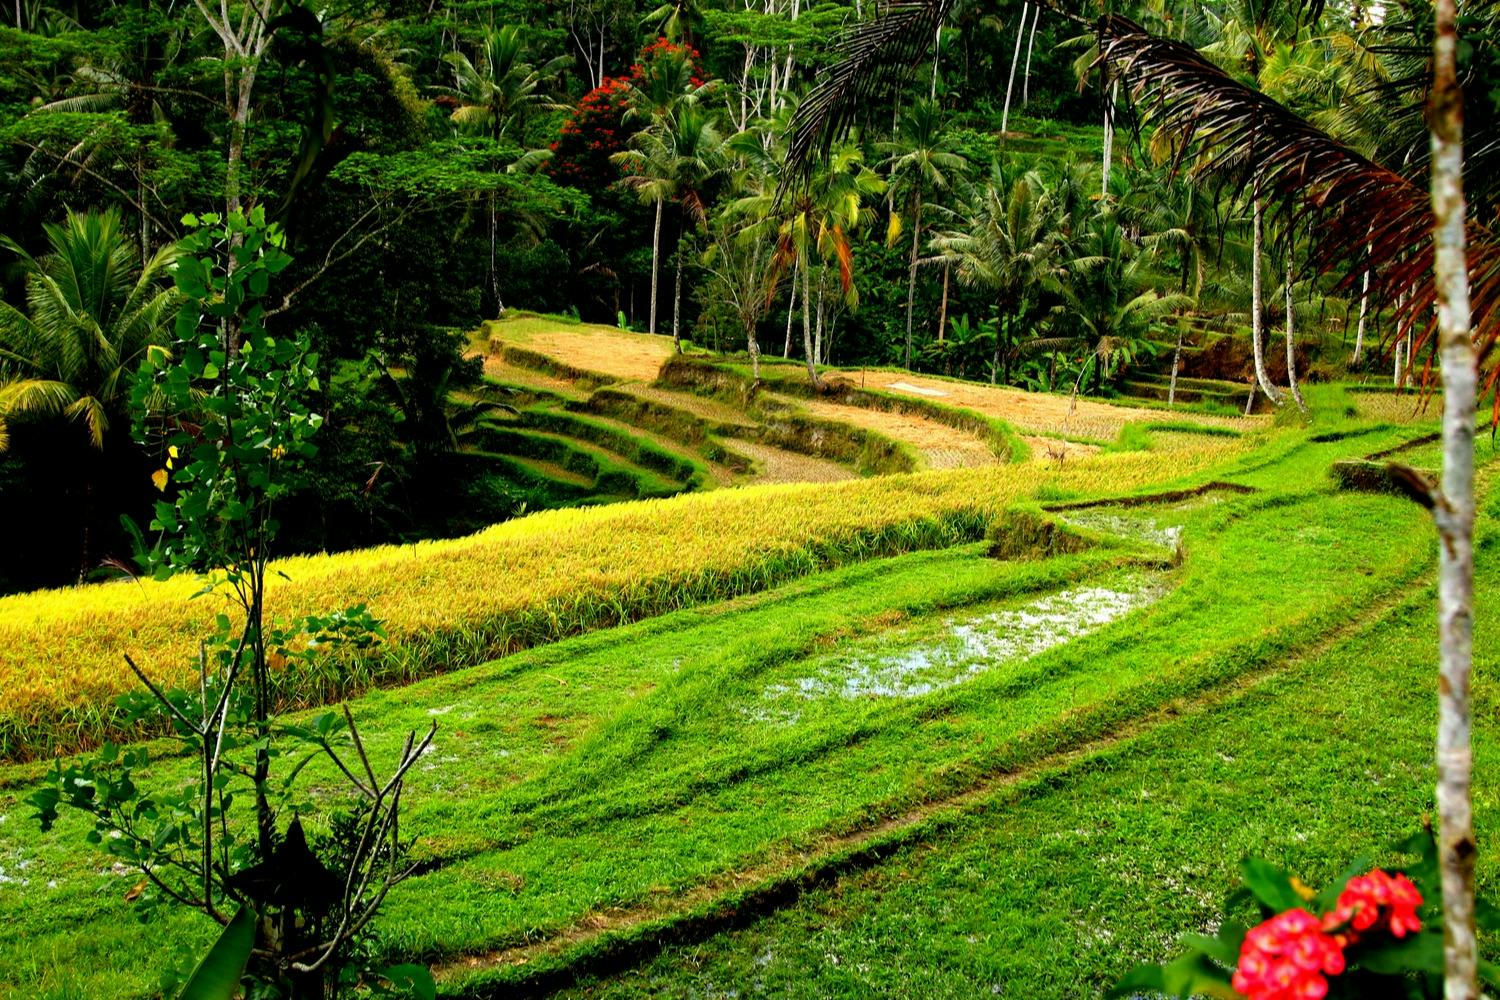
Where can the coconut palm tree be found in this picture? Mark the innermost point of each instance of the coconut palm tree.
(1111, 301)
(922, 163)
(807, 216)
(92, 312)
(496, 95)
(1011, 244)
(672, 159)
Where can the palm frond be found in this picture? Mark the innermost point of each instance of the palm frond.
(876, 57)
(1359, 215)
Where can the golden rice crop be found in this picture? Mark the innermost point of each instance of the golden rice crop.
(456, 602)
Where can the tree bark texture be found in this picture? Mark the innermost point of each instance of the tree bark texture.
(1257, 330)
(1015, 58)
(655, 261)
(1454, 514)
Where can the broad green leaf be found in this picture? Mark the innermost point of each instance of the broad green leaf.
(217, 976)
(1420, 952)
(1272, 886)
(411, 980)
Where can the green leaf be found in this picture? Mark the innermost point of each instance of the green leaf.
(1191, 975)
(218, 974)
(411, 980)
(1271, 885)
(1420, 952)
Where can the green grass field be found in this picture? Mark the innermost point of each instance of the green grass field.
(934, 774)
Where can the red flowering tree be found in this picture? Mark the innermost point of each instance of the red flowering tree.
(597, 129)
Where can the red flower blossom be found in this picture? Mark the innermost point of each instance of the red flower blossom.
(1377, 900)
(1287, 958)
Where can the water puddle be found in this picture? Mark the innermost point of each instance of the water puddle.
(966, 647)
(1158, 524)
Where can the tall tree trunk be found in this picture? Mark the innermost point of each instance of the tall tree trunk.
(791, 308)
(1026, 76)
(655, 262)
(942, 329)
(1291, 340)
(911, 271)
(1257, 338)
(1014, 59)
(1176, 364)
(937, 51)
(807, 345)
(754, 345)
(677, 299)
(1109, 135)
(1364, 312)
(1453, 511)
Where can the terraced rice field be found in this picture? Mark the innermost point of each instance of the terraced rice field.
(1040, 413)
(594, 806)
(939, 445)
(777, 465)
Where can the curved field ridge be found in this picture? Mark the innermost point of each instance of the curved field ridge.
(452, 603)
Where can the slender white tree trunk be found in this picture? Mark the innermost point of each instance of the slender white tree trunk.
(655, 261)
(1453, 511)
(807, 344)
(1026, 76)
(1257, 332)
(911, 272)
(1291, 339)
(1015, 58)
(937, 51)
(1109, 136)
(791, 308)
(1364, 312)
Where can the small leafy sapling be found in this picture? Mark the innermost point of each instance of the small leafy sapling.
(228, 409)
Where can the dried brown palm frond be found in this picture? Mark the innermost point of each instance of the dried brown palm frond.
(1357, 214)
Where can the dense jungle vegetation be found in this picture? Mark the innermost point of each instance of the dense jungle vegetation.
(1000, 218)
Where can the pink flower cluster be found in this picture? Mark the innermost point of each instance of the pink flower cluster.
(1288, 958)
(1291, 956)
(1370, 902)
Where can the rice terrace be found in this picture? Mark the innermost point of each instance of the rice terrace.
(910, 500)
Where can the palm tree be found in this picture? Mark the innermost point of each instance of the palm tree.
(920, 161)
(1111, 300)
(497, 95)
(92, 313)
(671, 159)
(1011, 244)
(494, 98)
(808, 216)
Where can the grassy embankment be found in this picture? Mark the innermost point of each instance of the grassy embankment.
(595, 796)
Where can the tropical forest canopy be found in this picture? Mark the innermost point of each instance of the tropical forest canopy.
(1009, 214)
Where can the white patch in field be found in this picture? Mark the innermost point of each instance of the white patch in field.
(916, 389)
(970, 647)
